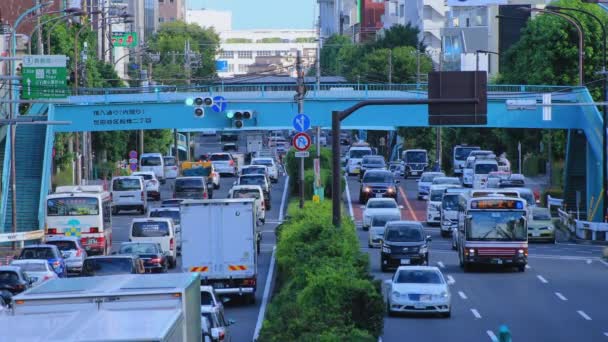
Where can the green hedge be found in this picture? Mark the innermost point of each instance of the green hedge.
(324, 291)
(293, 167)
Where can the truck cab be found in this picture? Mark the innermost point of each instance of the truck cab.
(354, 157)
(482, 168)
(415, 162)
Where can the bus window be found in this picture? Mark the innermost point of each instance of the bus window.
(72, 206)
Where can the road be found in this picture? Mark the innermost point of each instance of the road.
(560, 297)
(246, 316)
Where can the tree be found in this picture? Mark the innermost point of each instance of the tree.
(330, 63)
(397, 36)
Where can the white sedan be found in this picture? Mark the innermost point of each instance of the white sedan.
(379, 206)
(38, 270)
(418, 289)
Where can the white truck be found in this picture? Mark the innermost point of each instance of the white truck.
(221, 240)
(130, 294)
(255, 142)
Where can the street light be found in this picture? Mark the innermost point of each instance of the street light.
(477, 58)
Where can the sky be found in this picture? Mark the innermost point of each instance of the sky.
(264, 14)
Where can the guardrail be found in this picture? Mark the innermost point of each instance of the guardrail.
(21, 237)
(584, 230)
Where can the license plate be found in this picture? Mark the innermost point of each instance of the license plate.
(419, 306)
(425, 298)
(498, 261)
(405, 261)
(92, 241)
(414, 173)
(218, 285)
(378, 195)
(535, 234)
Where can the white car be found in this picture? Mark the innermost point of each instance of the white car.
(251, 191)
(38, 270)
(376, 230)
(418, 289)
(160, 230)
(425, 181)
(223, 163)
(219, 325)
(152, 184)
(377, 206)
(170, 167)
(273, 171)
(433, 204)
(174, 214)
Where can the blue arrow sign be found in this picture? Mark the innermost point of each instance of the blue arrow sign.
(219, 104)
(301, 123)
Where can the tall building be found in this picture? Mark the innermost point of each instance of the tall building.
(171, 10)
(10, 10)
(371, 19)
(221, 21)
(151, 17)
(338, 17)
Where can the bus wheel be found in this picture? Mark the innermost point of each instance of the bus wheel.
(466, 267)
(521, 268)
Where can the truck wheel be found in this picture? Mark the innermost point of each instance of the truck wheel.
(172, 262)
(466, 267)
(521, 268)
(250, 299)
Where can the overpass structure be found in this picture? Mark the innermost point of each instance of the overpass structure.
(274, 107)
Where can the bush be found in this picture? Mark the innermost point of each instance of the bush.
(293, 168)
(324, 290)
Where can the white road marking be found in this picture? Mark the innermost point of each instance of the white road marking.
(528, 267)
(440, 264)
(258, 324)
(407, 204)
(561, 296)
(584, 315)
(493, 337)
(542, 279)
(606, 334)
(451, 280)
(283, 198)
(603, 262)
(476, 313)
(350, 204)
(589, 261)
(462, 295)
(562, 257)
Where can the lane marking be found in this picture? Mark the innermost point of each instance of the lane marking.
(603, 262)
(561, 296)
(258, 324)
(407, 204)
(528, 267)
(589, 261)
(493, 337)
(462, 295)
(350, 204)
(476, 313)
(584, 315)
(451, 280)
(563, 257)
(286, 183)
(542, 279)
(606, 334)
(440, 264)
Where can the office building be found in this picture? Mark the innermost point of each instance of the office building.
(221, 21)
(171, 10)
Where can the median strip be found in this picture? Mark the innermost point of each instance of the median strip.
(407, 204)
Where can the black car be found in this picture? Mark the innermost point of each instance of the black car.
(372, 162)
(149, 252)
(378, 183)
(13, 281)
(111, 265)
(404, 243)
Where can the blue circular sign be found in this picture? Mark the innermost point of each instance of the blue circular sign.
(301, 123)
(219, 104)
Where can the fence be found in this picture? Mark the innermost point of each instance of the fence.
(584, 230)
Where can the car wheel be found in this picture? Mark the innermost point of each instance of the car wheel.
(466, 267)
(370, 245)
(390, 312)
(250, 298)
(448, 314)
(443, 233)
(521, 268)
(165, 267)
(142, 210)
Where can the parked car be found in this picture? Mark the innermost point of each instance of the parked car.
(425, 181)
(13, 280)
(260, 180)
(171, 167)
(404, 243)
(152, 184)
(378, 183)
(224, 163)
(376, 229)
(273, 171)
(219, 326)
(48, 252)
(153, 162)
(101, 265)
(418, 289)
(71, 250)
(160, 230)
(154, 259)
(38, 271)
(378, 206)
(541, 228)
(128, 193)
(191, 188)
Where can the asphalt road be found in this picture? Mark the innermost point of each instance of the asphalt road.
(561, 296)
(246, 316)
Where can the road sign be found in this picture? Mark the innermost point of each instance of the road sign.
(301, 141)
(133, 154)
(133, 160)
(219, 104)
(221, 65)
(124, 39)
(301, 123)
(302, 154)
(133, 167)
(44, 76)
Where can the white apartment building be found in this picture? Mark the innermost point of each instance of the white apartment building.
(265, 51)
(221, 21)
(337, 16)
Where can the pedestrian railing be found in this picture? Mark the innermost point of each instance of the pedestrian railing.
(21, 237)
(584, 230)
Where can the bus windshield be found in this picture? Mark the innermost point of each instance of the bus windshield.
(359, 153)
(462, 153)
(415, 157)
(449, 202)
(72, 206)
(497, 225)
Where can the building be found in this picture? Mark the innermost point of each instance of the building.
(338, 17)
(151, 17)
(171, 10)
(371, 19)
(221, 21)
(270, 52)
(10, 10)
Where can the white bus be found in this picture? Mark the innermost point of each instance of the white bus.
(81, 211)
(461, 153)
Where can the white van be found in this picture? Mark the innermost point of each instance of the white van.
(128, 193)
(433, 204)
(156, 229)
(170, 167)
(354, 156)
(481, 171)
(153, 162)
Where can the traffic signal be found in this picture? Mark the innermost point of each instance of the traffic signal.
(199, 104)
(240, 116)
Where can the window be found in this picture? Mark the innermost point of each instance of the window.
(151, 161)
(72, 206)
(401, 10)
(161, 19)
(65, 245)
(230, 67)
(126, 184)
(172, 214)
(245, 54)
(227, 54)
(266, 53)
(150, 229)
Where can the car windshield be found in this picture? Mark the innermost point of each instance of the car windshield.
(220, 157)
(436, 195)
(446, 180)
(484, 169)
(253, 171)
(206, 298)
(64, 245)
(374, 161)
(139, 248)
(497, 225)
(449, 202)
(528, 196)
(145, 176)
(378, 177)
(359, 153)
(32, 267)
(404, 234)
(188, 183)
(37, 253)
(169, 161)
(172, 214)
(415, 157)
(383, 204)
(72, 206)
(462, 153)
(418, 277)
(126, 184)
(246, 193)
(381, 220)
(264, 162)
(107, 266)
(542, 214)
(151, 161)
(252, 180)
(8, 278)
(150, 229)
(428, 178)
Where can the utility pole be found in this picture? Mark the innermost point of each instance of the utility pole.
(175, 147)
(318, 62)
(300, 99)
(417, 68)
(39, 49)
(390, 66)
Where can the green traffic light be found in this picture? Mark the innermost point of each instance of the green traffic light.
(189, 101)
(229, 114)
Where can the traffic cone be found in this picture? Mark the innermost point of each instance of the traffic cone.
(504, 335)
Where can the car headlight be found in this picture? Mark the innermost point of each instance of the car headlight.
(390, 190)
(447, 223)
(423, 250)
(367, 189)
(550, 228)
(386, 249)
(396, 294)
(471, 251)
(442, 295)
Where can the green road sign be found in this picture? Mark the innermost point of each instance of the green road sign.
(44, 77)
(124, 39)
